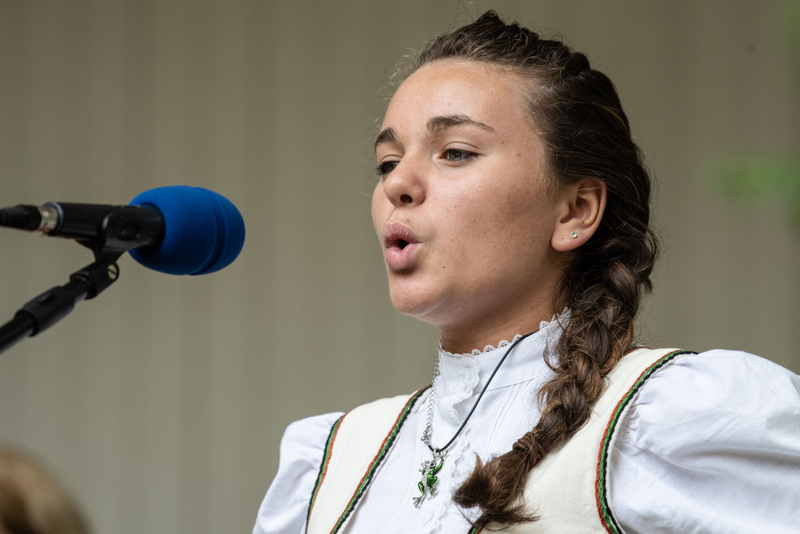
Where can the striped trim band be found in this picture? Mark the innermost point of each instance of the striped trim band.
(386, 445)
(376, 462)
(323, 467)
(601, 490)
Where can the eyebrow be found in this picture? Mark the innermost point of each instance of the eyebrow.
(440, 123)
(435, 125)
(386, 136)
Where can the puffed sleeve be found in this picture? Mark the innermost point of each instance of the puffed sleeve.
(711, 445)
(284, 508)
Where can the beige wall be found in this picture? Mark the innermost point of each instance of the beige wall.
(162, 402)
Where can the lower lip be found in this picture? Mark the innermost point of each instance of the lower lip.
(399, 259)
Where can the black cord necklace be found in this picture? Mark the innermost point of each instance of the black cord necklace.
(430, 468)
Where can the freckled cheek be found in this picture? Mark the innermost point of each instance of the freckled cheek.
(493, 230)
(472, 231)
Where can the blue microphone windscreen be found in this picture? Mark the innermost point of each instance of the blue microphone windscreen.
(203, 231)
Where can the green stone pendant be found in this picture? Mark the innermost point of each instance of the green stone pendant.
(427, 486)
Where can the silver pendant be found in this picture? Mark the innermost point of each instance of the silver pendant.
(427, 486)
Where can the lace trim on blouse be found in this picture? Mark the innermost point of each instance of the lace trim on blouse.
(504, 343)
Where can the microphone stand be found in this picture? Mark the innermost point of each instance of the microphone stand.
(54, 304)
(117, 236)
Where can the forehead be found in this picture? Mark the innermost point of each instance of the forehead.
(481, 91)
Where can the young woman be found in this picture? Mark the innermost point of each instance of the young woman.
(513, 212)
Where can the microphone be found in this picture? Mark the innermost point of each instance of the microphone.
(175, 229)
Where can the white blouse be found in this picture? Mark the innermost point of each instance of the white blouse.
(711, 444)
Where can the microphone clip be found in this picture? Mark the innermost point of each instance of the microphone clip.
(107, 230)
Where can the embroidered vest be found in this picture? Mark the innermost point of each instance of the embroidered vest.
(568, 490)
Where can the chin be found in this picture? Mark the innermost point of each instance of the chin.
(415, 304)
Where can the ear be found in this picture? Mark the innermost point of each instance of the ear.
(581, 207)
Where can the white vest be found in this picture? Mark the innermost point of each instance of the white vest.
(568, 490)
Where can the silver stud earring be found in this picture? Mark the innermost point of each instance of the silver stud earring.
(573, 235)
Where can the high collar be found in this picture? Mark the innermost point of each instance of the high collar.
(463, 375)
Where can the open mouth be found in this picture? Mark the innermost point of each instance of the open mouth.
(398, 243)
(398, 237)
(401, 247)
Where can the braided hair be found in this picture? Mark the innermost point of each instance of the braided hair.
(578, 115)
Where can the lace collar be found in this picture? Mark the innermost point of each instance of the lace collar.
(486, 349)
(559, 319)
(462, 375)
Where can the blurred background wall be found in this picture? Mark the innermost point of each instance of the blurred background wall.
(161, 403)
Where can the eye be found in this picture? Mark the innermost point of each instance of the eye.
(457, 154)
(385, 168)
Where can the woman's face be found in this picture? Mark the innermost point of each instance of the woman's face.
(463, 208)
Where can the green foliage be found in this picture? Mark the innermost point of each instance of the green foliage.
(751, 182)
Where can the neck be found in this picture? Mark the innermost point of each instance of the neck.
(466, 336)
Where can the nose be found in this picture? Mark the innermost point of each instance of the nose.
(405, 185)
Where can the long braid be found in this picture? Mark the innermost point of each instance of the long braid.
(586, 134)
